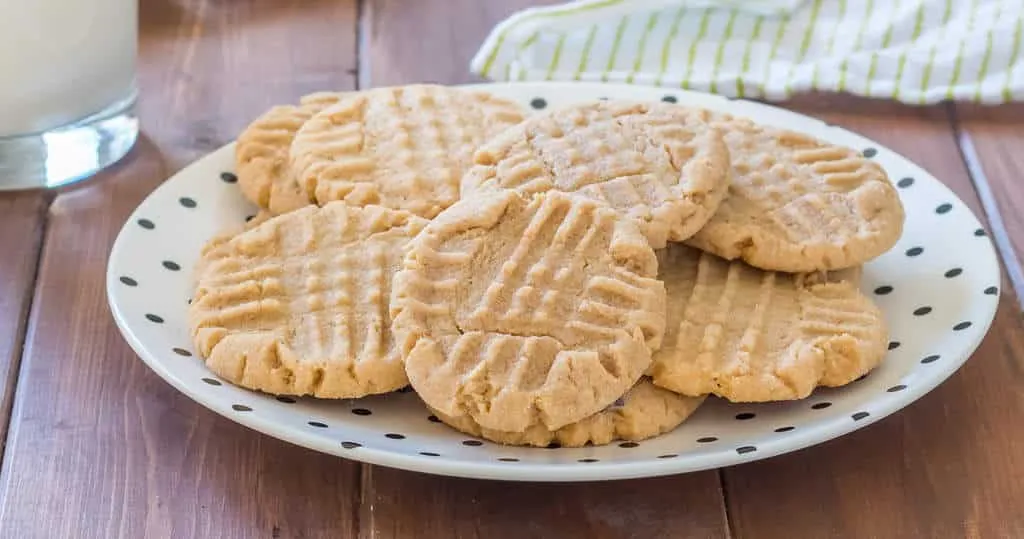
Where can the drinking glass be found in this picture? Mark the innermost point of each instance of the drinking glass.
(67, 89)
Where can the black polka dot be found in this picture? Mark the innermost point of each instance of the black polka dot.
(745, 415)
(668, 456)
(182, 352)
(154, 318)
(980, 232)
(212, 382)
(588, 460)
(361, 411)
(249, 218)
(921, 311)
(746, 449)
(395, 436)
(991, 291)
(706, 440)
(821, 405)
(943, 208)
(173, 266)
(628, 445)
(508, 459)
(472, 443)
(914, 251)
(146, 223)
(859, 415)
(228, 177)
(883, 290)
(930, 359)
(189, 301)
(784, 429)
(669, 99)
(905, 182)
(538, 103)
(869, 152)
(240, 408)
(350, 445)
(953, 273)
(129, 281)
(962, 326)
(317, 424)
(285, 399)
(187, 202)
(433, 419)
(429, 454)
(894, 345)
(895, 388)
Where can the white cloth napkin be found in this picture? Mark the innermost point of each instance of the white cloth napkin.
(914, 51)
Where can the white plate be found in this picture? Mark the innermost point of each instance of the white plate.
(937, 286)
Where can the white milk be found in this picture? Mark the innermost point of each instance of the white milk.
(63, 60)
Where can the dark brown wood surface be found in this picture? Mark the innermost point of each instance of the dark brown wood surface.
(98, 446)
(21, 234)
(993, 147)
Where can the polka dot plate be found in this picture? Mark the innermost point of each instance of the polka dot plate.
(937, 287)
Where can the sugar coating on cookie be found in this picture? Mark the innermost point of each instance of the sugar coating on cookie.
(521, 311)
(644, 412)
(659, 164)
(261, 154)
(750, 335)
(298, 304)
(797, 203)
(403, 147)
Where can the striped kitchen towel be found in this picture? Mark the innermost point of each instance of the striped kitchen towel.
(914, 51)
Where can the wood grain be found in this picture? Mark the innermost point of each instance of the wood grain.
(22, 218)
(99, 446)
(992, 139)
(427, 40)
(403, 504)
(947, 466)
(433, 40)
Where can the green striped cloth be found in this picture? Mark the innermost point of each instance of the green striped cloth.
(914, 51)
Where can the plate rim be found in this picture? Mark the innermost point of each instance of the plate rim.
(555, 472)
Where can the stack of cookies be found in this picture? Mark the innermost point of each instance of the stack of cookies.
(579, 275)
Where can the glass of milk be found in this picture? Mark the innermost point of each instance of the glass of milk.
(67, 89)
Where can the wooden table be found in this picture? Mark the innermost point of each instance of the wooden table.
(97, 446)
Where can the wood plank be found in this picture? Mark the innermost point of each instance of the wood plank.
(403, 504)
(100, 446)
(991, 138)
(427, 40)
(22, 218)
(948, 465)
(432, 41)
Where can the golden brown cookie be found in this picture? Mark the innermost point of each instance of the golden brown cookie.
(210, 249)
(749, 335)
(524, 311)
(261, 154)
(402, 147)
(799, 204)
(644, 412)
(298, 304)
(659, 164)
